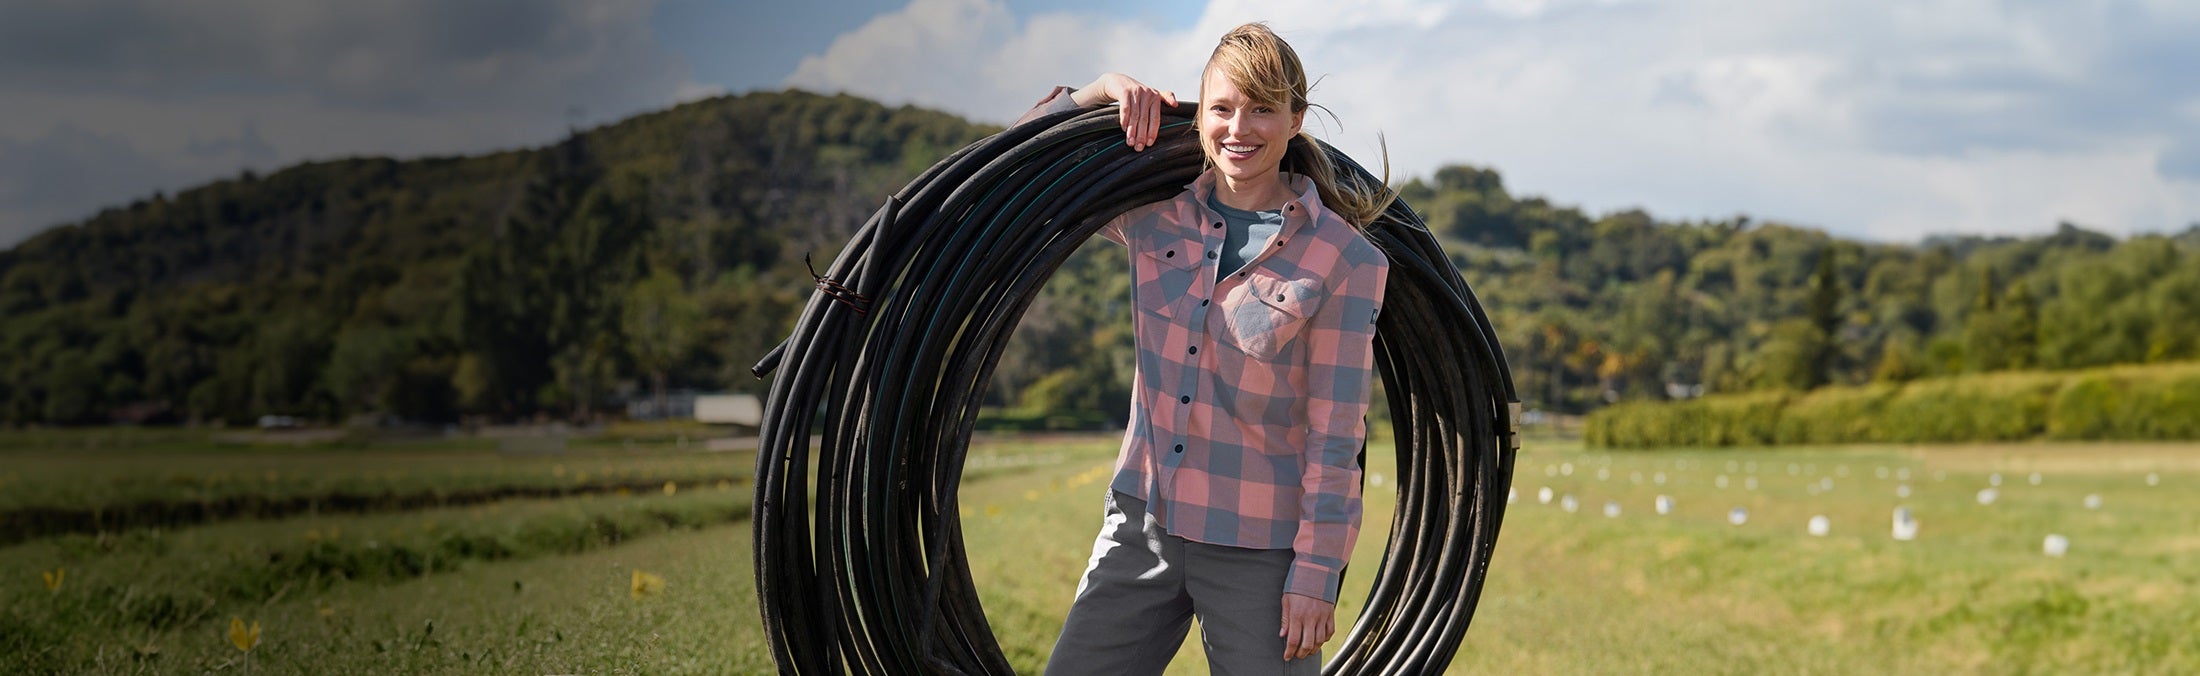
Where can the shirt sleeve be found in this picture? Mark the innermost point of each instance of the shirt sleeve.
(1056, 101)
(1339, 378)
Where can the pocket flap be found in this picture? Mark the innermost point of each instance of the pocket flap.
(1297, 297)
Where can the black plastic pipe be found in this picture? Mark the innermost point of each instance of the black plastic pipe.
(860, 567)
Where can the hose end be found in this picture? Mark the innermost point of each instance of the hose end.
(770, 362)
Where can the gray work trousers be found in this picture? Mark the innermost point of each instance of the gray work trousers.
(1144, 586)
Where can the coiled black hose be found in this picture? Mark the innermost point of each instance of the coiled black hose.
(890, 358)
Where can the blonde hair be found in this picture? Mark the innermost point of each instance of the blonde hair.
(1266, 69)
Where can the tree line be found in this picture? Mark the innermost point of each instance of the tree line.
(673, 249)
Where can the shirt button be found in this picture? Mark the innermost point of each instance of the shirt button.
(1279, 298)
(1195, 349)
(1186, 399)
(1218, 224)
(1170, 254)
(1203, 302)
(1210, 255)
(1180, 448)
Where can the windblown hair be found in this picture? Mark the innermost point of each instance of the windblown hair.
(1266, 69)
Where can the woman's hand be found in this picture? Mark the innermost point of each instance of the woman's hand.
(1308, 622)
(1140, 113)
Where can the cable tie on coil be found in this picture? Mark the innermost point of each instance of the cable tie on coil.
(838, 292)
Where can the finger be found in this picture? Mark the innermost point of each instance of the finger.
(1128, 120)
(1153, 117)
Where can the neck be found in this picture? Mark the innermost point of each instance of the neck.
(1266, 193)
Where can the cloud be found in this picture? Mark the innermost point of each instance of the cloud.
(200, 90)
(1887, 122)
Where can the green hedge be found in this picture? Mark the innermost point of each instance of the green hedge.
(2153, 401)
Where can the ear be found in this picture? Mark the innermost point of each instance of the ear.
(1298, 119)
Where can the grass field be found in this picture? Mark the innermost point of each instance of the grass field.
(550, 584)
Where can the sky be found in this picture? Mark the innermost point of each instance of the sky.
(1879, 121)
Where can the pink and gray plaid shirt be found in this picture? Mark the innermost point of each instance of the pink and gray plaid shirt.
(1250, 395)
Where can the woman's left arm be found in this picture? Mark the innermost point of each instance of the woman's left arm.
(1340, 375)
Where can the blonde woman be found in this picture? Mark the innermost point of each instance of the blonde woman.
(1236, 495)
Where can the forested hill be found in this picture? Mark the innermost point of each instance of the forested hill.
(667, 250)
(545, 280)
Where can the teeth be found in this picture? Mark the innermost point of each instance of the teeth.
(1239, 149)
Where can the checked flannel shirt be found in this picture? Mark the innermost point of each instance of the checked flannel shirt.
(1249, 399)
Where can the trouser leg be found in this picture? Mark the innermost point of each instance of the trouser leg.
(1131, 611)
(1238, 596)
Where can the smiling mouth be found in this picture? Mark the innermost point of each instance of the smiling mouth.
(1239, 149)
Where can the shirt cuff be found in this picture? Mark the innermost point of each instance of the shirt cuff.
(1307, 579)
(1056, 101)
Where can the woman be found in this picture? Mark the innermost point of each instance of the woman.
(1236, 492)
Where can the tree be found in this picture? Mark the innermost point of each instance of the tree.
(659, 323)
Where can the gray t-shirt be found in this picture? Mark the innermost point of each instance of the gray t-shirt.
(1243, 234)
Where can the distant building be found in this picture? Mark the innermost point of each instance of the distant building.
(746, 410)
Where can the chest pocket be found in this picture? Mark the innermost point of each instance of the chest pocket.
(1162, 272)
(1269, 312)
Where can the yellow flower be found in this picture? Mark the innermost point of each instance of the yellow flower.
(242, 637)
(53, 579)
(671, 488)
(646, 584)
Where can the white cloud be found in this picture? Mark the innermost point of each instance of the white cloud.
(1870, 120)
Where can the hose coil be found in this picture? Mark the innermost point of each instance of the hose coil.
(889, 361)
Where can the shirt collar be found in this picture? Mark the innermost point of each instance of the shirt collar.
(1296, 213)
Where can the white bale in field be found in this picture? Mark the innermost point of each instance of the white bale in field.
(1825, 484)
(1820, 525)
(2035, 478)
(1750, 483)
(1986, 496)
(1543, 495)
(1566, 469)
(1611, 510)
(1604, 474)
(1841, 471)
(1811, 489)
(1375, 478)
(1737, 516)
(1721, 481)
(1659, 479)
(1902, 473)
(1993, 479)
(1550, 470)
(2055, 545)
(2092, 501)
(1902, 491)
(1882, 471)
(1665, 504)
(1751, 467)
(1905, 525)
(2153, 479)
(1569, 504)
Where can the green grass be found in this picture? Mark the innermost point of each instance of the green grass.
(1567, 593)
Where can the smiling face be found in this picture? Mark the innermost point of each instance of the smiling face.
(1244, 139)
